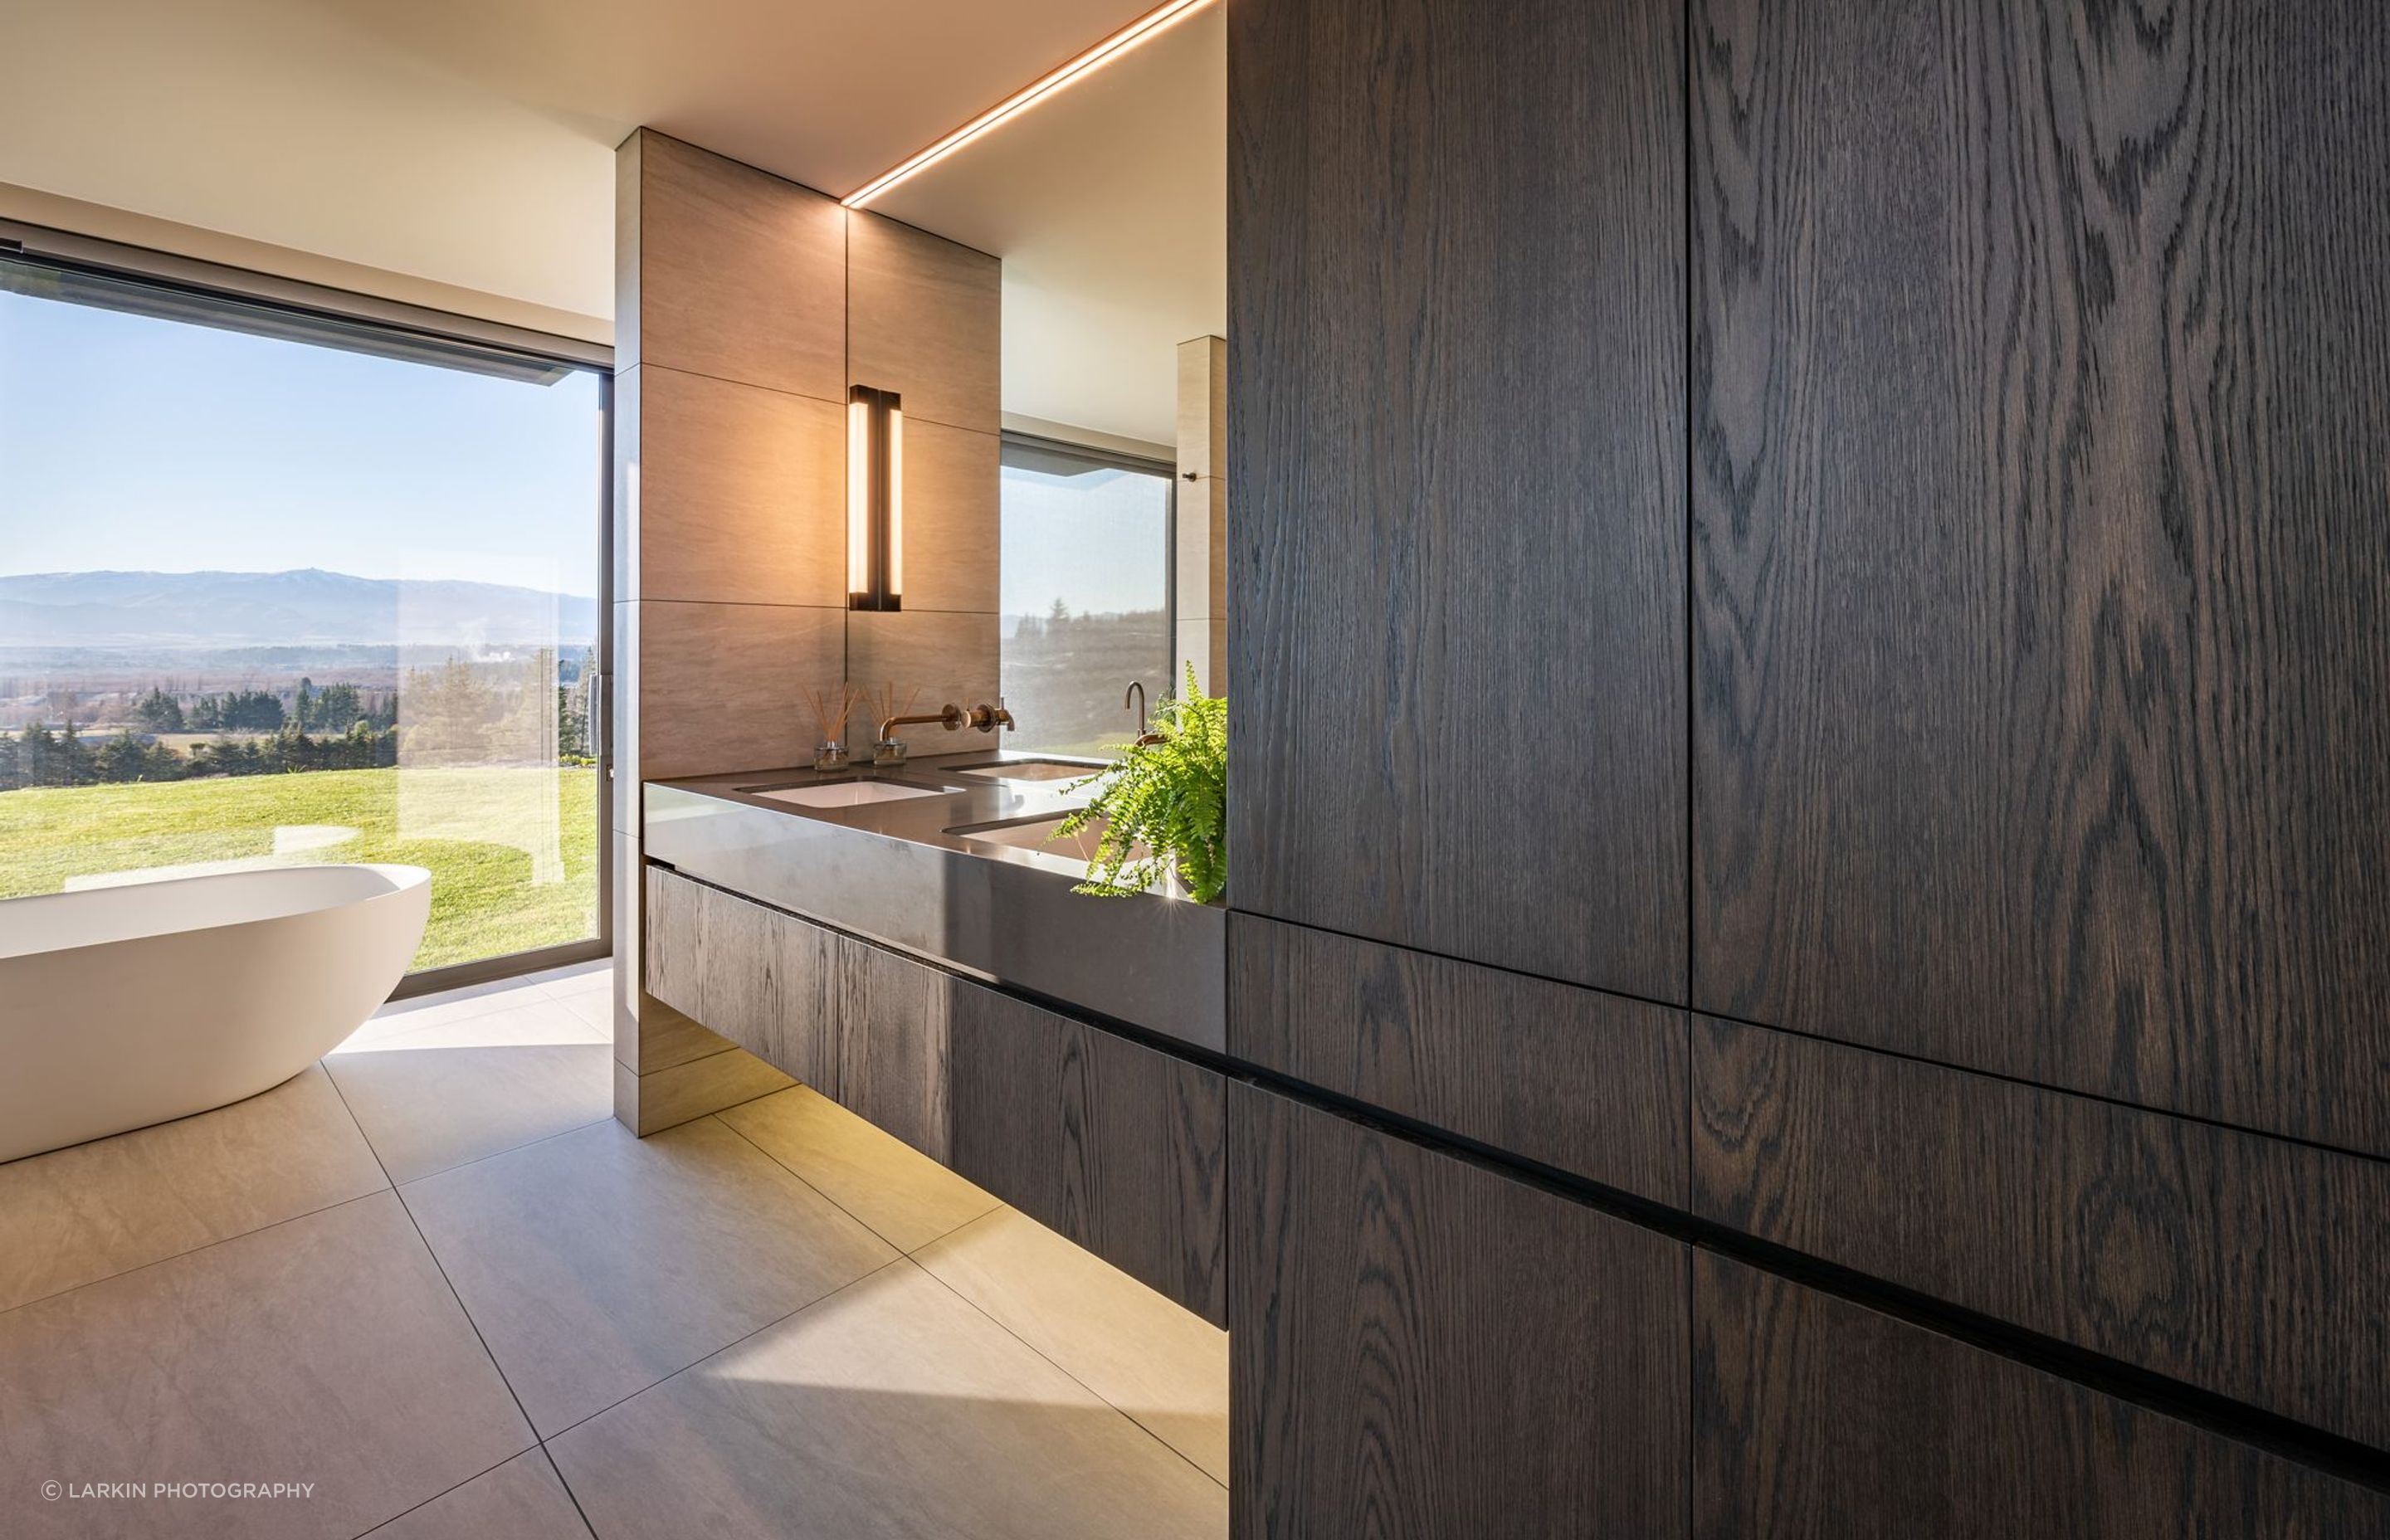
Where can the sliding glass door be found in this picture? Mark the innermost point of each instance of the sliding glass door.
(282, 586)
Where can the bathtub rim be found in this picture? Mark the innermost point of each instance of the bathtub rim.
(404, 879)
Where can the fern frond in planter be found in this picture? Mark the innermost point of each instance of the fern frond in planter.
(1170, 797)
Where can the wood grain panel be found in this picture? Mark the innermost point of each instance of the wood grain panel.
(766, 980)
(741, 494)
(1423, 1348)
(892, 1064)
(1814, 1416)
(2042, 405)
(954, 521)
(2231, 1261)
(945, 656)
(649, 1034)
(1113, 1145)
(1584, 1081)
(925, 319)
(1456, 459)
(722, 687)
(735, 273)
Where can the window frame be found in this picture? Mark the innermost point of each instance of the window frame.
(468, 336)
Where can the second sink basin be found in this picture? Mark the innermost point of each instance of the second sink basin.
(841, 794)
(1037, 834)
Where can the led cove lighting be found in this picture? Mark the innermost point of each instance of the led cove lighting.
(1137, 32)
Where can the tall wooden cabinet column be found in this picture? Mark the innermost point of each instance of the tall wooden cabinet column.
(1457, 658)
(729, 545)
(746, 306)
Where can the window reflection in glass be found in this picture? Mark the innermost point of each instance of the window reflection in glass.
(1086, 594)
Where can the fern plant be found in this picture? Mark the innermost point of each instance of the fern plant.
(1171, 797)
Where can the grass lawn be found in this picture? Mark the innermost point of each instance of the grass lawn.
(512, 852)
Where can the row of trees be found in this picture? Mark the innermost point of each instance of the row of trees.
(36, 756)
(457, 714)
(333, 709)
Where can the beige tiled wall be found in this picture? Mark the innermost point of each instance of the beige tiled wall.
(923, 318)
(1203, 555)
(746, 306)
(729, 569)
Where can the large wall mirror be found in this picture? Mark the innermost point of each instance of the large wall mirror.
(1106, 204)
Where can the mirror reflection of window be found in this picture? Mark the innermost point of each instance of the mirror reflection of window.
(1085, 593)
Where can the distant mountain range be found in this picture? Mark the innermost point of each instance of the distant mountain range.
(308, 606)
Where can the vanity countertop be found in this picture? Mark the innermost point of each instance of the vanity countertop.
(943, 857)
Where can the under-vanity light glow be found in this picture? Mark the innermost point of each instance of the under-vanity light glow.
(1151, 24)
(875, 499)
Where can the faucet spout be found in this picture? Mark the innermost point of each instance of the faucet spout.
(1135, 692)
(888, 751)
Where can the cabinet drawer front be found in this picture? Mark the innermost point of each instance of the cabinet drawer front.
(1116, 1146)
(1584, 1081)
(1425, 1348)
(1815, 1417)
(762, 979)
(2242, 1264)
(892, 1066)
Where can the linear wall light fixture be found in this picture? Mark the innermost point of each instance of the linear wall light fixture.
(875, 499)
(1149, 25)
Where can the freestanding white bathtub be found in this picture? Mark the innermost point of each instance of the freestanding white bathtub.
(125, 1007)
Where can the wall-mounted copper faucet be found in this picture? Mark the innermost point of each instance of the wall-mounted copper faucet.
(889, 750)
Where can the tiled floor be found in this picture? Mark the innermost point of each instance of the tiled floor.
(433, 1278)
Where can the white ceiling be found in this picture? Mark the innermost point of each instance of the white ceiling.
(471, 143)
(1109, 204)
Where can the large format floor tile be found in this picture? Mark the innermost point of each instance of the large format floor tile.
(326, 1350)
(520, 1500)
(455, 1005)
(75, 1215)
(891, 1409)
(596, 1263)
(1164, 1365)
(907, 1198)
(587, 991)
(463, 1088)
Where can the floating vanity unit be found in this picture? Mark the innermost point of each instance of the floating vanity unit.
(908, 943)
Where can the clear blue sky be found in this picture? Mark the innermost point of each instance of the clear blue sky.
(141, 444)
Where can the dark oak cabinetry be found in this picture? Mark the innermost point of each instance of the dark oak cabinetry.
(1810, 631)
(2235, 1262)
(1456, 456)
(1819, 1419)
(1116, 1146)
(1421, 1347)
(2041, 400)
(1584, 1082)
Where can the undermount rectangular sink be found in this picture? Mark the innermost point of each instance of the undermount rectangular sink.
(1029, 770)
(840, 794)
(1037, 834)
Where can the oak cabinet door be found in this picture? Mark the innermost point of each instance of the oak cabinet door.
(1422, 1348)
(1456, 469)
(2041, 413)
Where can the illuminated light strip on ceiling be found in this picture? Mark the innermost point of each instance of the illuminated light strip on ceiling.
(1149, 25)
